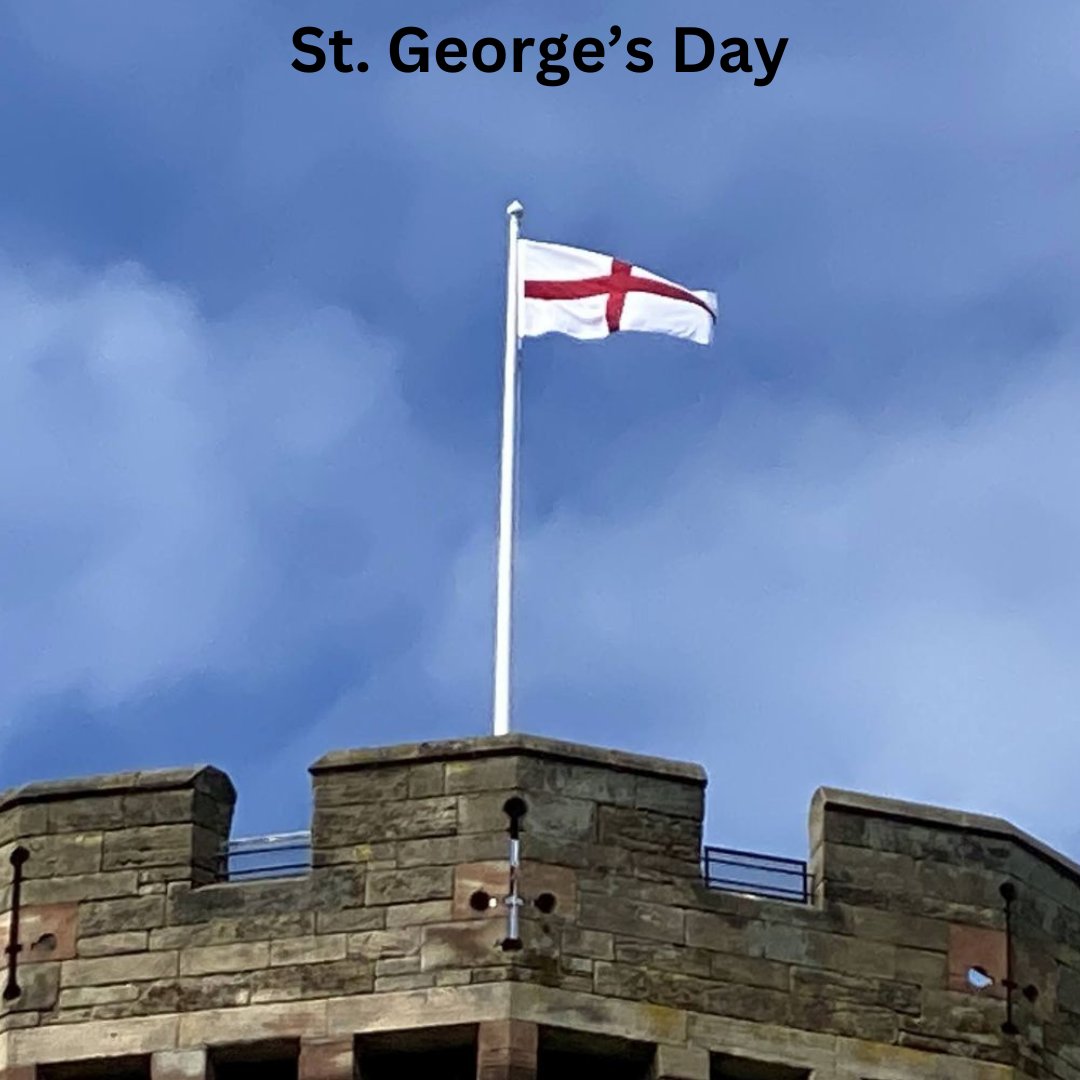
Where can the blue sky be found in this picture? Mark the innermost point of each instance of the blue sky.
(251, 321)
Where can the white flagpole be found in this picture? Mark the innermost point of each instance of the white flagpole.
(504, 587)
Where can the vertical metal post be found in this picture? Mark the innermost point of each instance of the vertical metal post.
(505, 585)
(12, 990)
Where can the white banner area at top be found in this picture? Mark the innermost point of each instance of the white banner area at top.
(566, 290)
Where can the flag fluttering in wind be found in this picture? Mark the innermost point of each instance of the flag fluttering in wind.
(568, 290)
(551, 288)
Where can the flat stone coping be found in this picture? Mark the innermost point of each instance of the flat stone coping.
(940, 817)
(484, 746)
(203, 777)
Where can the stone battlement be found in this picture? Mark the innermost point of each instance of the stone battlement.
(937, 944)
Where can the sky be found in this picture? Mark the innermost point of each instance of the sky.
(251, 330)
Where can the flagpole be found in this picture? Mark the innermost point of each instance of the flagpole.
(505, 585)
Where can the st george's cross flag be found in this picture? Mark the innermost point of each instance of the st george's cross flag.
(566, 290)
(551, 288)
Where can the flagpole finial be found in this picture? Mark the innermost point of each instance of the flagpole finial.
(515, 209)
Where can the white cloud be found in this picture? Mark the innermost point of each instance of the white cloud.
(186, 494)
(891, 609)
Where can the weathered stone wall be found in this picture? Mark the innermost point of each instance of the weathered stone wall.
(104, 853)
(911, 875)
(130, 946)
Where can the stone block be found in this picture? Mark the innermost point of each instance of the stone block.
(177, 846)
(174, 808)
(750, 971)
(409, 886)
(579, 781)
(122, 914)
(633, 918)
(257, 927)
(397, 965)
(243, 956)
(462, 945)
(395, 984)
(577, 965)
(677, 798)
(89, 997)
(646, 831)
(114, 944)
(834, 952)
(46, 932)
(668, 988)
(21, 823)
(981, 949)
(595, 944)
(550, 816)
(897, 997)
(335, 978)
(86, 815)
(957, 1018)
(430, 911)
(869, 878)
(452, 850)
(427, 779)
(376, 821)
(40, 986)
(491, 877)
(235, 900)
(921, 967)
(370, 785)
(377, 944)
(643, 1020)
(842, 1017)
(194, 992)
(507, 1050)
(128, 1037)
(959, 884)
(894, 927)
(452, 978)
(499, 774)
(368, 856)
(327, 1059)
(350, 920)
(73, 888)
(312, 949)
(64, 856)
(281, 1020)
(136, 967)
(180, 1065)
(680, 1063)
(665, 957)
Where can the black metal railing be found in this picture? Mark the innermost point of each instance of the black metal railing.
(284, 855)
(278, 855)
(754, 874)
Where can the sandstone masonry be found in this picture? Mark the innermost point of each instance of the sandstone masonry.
(137, 960)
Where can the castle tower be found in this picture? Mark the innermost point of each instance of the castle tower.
(520, 908)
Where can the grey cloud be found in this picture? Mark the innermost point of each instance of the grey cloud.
(185, 494)
(885, 608)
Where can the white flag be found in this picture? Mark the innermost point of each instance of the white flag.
(571, 291)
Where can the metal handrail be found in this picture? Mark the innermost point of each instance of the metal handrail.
(268, 852)
(772, 877)
(752, 873)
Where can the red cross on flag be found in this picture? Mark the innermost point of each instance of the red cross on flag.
(568, 290)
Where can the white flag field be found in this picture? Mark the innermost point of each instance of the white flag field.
(567, 290)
